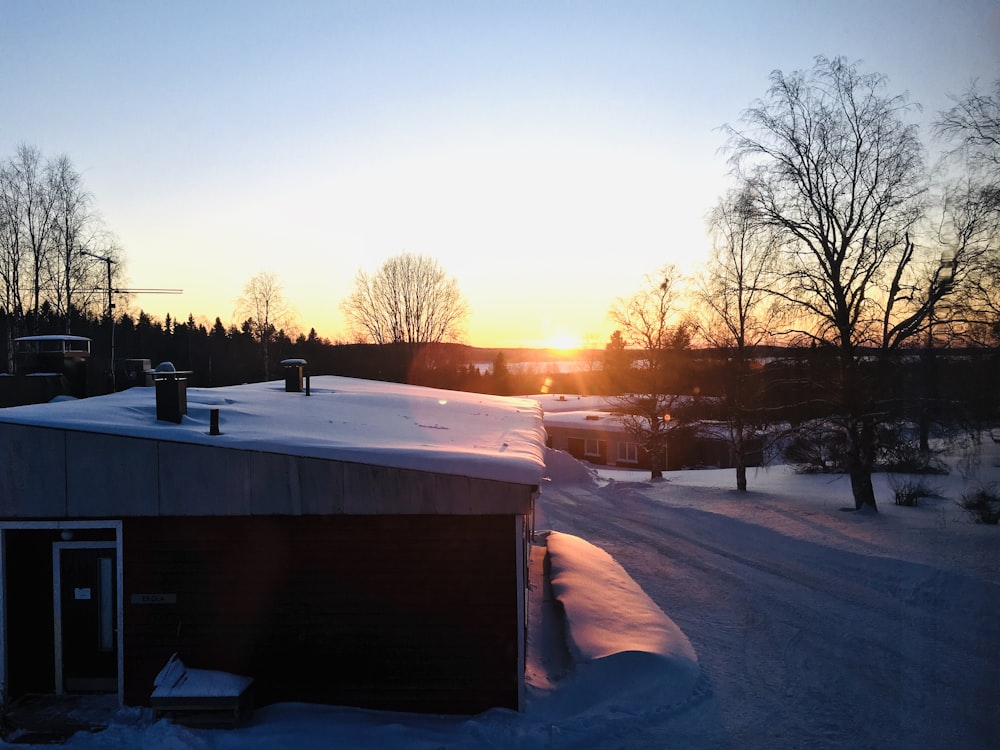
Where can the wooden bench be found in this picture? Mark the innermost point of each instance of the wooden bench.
(201, 697)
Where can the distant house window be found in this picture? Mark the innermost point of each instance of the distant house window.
(592, 447)
(628, 453)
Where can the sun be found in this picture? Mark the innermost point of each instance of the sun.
(564, 342)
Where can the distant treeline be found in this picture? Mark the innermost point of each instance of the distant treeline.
(220, 355)
(941, 385)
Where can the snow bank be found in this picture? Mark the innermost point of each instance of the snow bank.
(616, 634)
(562, 468)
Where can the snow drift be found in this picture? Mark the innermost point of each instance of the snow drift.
(650, 657)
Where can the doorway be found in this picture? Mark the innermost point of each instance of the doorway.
(85, 602)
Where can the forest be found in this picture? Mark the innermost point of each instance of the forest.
(783, 384)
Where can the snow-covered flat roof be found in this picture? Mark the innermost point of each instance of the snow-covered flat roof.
(343, 419)
(52, 337)
(589, 419)
(560, 402)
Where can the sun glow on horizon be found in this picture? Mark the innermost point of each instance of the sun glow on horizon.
(564, 342)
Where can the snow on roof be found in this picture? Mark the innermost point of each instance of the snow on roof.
(559, 402)
(593, 420)
(345, 419)
(52, 337)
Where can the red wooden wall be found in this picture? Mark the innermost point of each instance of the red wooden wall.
(392, 612)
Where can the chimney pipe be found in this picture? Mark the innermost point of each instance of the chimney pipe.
(171, 392)
(293, 374)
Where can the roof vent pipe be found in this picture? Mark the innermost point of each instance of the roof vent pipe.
(171, 392)
(293, 374)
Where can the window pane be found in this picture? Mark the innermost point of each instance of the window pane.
(107, 628)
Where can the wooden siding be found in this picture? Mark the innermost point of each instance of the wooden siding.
(391, 612)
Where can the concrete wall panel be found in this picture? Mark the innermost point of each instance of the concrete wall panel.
(110, 476)
(32, 472)
(199, 481)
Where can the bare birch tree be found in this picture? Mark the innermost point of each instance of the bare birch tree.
(47, 218)
(263, 307)
(970, 214)
(972, 125)
(649, 322)
(837, 171)
(13, 253)
(28, 182)
(732, 295)
(74, 228)
(408, 302)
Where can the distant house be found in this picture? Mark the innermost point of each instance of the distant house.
(358, 543)
(587, 429)
(45, 367)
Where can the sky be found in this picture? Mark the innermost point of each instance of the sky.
(547, 154)
(773, 619)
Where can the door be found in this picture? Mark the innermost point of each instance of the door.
(86, 600)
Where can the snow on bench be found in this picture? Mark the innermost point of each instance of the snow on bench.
(201, 697)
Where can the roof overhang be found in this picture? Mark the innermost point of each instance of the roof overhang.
(351, 446)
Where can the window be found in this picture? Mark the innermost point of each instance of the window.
(106, 616)
(592, 447)
(628, 453)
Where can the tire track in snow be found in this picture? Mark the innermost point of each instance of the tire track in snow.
(798, 640)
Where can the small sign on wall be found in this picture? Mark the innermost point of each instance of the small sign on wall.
(154, 598)
(81, 594)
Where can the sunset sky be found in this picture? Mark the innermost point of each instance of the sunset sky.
(547, 154)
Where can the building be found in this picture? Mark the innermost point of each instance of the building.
(586, 428)
(357, 543)
(45, 367)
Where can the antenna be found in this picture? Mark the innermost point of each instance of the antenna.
(111, 304)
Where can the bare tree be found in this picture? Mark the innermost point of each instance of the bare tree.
(264, 310)
(13, 256)
(75, 227)
(732, 295)
(836, 170)
(649, 322)
(47, 219)
(409, 302)
(972, 125)
(968, 235)
(29, 180)
(970, 214)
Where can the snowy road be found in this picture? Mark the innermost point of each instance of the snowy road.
(802, 643)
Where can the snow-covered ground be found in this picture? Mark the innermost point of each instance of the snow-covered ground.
(692, 616)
